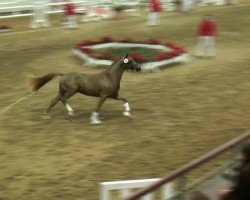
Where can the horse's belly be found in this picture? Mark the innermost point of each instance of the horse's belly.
(89, 92)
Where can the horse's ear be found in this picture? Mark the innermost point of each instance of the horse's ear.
(126, 56)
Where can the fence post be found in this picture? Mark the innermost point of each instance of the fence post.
(104, 194)
(182, 185)
(40, 15)
(167, 191)
(149, 196)
(125, 193)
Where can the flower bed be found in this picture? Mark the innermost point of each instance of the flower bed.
(102, 52)
(4, 28)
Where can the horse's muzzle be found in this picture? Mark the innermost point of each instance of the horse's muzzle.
(137, 68)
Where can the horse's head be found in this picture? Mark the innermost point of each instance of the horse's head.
(129, 63)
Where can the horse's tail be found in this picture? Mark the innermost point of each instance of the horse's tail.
(37, 83)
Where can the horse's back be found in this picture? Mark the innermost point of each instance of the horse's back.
(69, 81)
(80, 82)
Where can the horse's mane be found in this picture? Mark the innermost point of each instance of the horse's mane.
(113, 63)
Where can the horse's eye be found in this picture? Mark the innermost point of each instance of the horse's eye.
(126, 60)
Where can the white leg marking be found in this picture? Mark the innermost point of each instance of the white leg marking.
(126, 112)
(70, 110)
(94, 118)
(126, 105)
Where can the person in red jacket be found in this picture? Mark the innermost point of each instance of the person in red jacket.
(153, 15)
(206, 37)
(70, 17)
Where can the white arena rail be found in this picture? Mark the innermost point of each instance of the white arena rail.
(13, 10)
(217, 2)
(125, 189)
(10, 10)
(39, 10)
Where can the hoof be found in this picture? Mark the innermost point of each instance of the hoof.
(71, 113)
(94, 119)
(96, 122)
(126, 114)
(46, 117)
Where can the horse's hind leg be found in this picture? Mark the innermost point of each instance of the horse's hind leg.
(94, 118)
(53, 103)
(64, 98)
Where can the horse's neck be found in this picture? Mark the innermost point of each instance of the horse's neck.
(116, 72)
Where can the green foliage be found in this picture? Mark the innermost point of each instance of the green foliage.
(144, 52)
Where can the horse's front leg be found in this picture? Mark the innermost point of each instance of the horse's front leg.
(94, 118)
(127, 109)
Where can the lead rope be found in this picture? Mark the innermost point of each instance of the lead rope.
(13, 104)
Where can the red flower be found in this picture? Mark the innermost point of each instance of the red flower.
(115, 58)
(138, 41)
(175, 47)
(170, 45)
(86, 50)
(152, 41)
(4, 27)
(180, 50)
(107, 39)
(175, 50)
(127, 40)
(86, 43)
(174, 53)
(162, 56)
(137, 57)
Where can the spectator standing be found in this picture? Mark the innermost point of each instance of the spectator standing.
(206, 37)
(70, 20)
(153, 15)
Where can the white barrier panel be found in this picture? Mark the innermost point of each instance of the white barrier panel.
(125, 188)
(40, 15)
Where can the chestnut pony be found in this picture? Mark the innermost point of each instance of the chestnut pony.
(105, 84)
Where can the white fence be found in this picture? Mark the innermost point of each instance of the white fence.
(13, 9)
(218, 2)
(39, 10)
(125, 188)
(10, 10)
